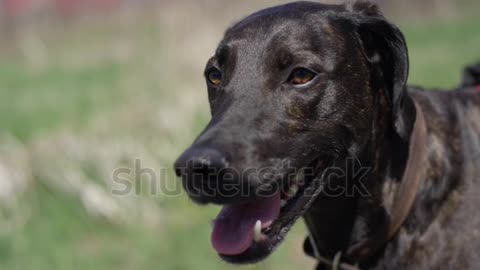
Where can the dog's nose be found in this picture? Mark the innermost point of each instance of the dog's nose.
(200, 169)
(201, 162)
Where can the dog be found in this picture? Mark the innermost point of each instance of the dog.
(471, 77)
(311, 117)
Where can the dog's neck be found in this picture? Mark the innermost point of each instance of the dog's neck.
(360, 225)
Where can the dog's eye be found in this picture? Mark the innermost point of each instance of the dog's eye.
(214, 76)
(301, 76)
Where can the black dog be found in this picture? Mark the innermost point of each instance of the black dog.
(311, 117)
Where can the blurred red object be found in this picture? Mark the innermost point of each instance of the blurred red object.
(69, 7)
(17, 7)
(63, 7)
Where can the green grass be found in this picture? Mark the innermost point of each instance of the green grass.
(33, 102)
(51, 230)
(439, 52)
(62, 236)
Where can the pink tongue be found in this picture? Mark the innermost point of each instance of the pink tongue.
(233, 229)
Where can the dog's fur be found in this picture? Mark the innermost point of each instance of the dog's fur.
(359, 106)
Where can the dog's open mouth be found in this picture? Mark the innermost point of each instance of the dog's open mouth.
(249, 231)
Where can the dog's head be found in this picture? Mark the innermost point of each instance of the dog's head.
(291, 88)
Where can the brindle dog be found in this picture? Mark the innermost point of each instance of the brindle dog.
(298, 89)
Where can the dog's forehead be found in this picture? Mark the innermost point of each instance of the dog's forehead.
(279, 29)
(275, 19)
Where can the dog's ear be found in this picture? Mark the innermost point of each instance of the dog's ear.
(471, 76)
(384, 47)
(367, 8)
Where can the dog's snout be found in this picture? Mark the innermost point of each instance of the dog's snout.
(200, 169)
(200, 161)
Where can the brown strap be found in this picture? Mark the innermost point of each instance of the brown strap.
(406, 192)
(405, 196)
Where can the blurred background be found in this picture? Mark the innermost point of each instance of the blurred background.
(88, 87)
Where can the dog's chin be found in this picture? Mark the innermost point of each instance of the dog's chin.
(293, 206)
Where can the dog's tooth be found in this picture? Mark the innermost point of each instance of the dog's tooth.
(257, 231)
(292, 190)
(298, 177)
(296, 180)
(283, 203)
